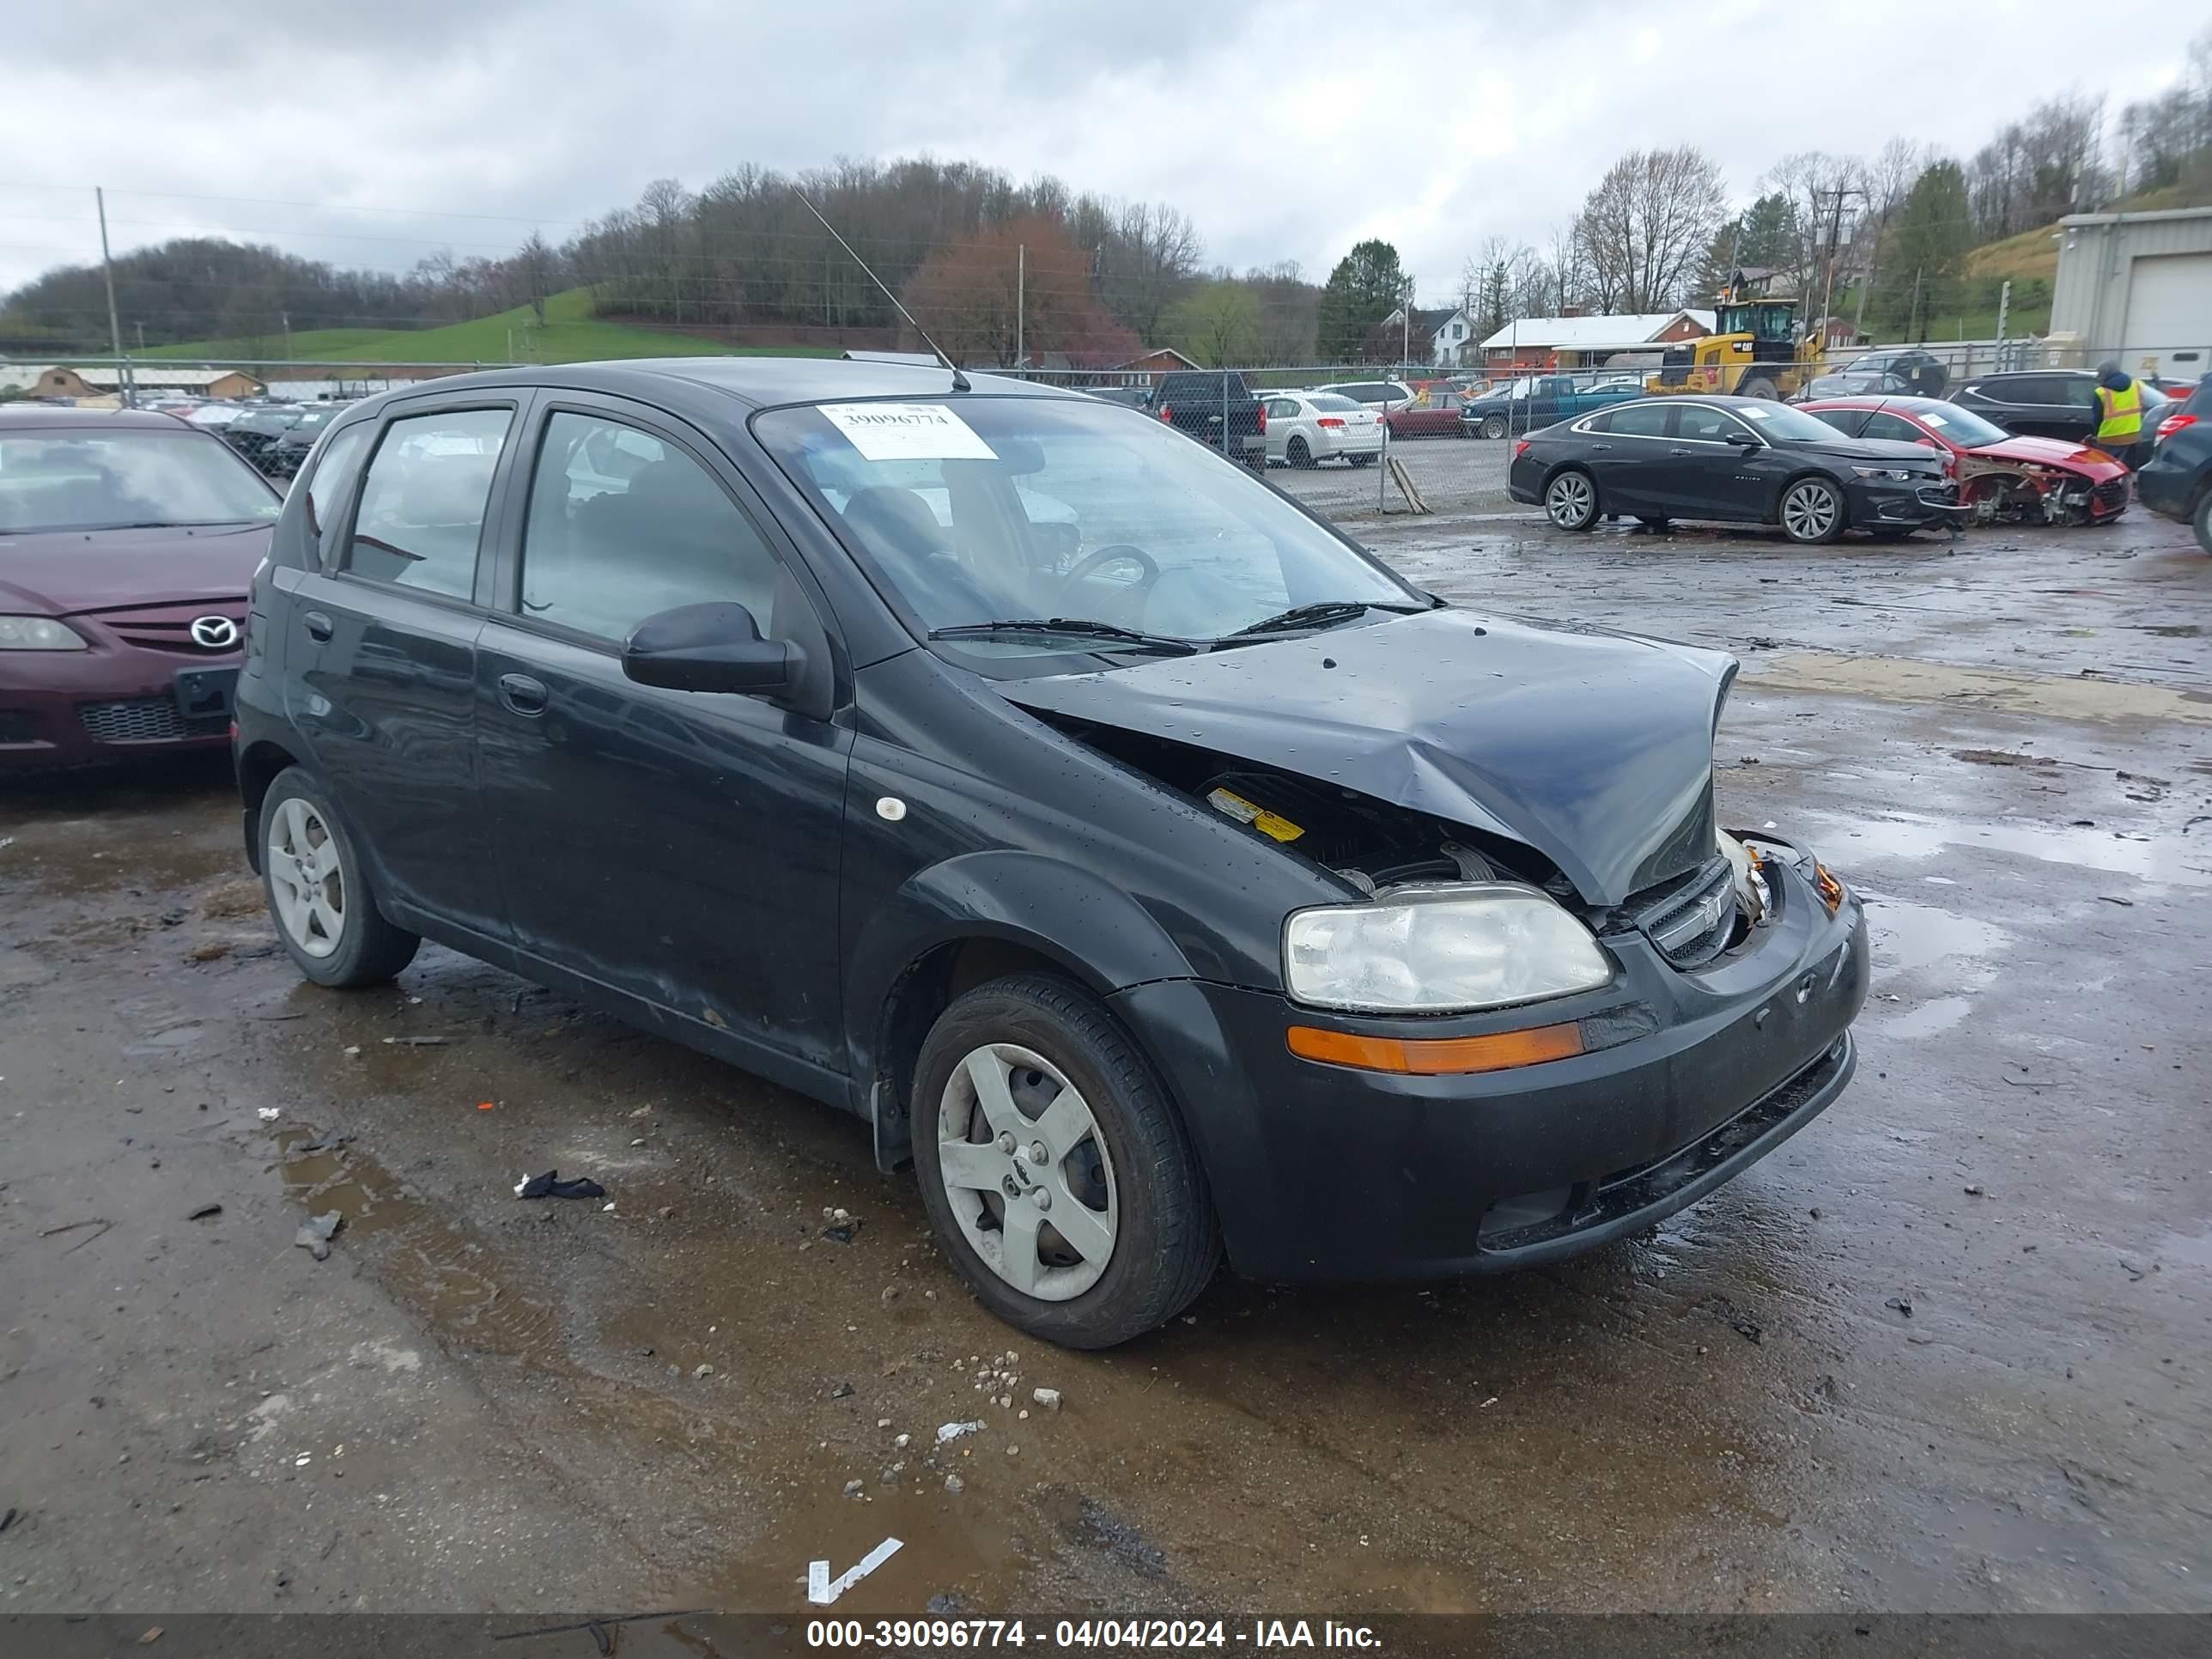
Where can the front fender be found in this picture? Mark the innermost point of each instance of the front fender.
(1103, 938)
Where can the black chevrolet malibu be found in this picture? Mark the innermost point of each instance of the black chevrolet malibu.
(1734, 460)
(1149, 866)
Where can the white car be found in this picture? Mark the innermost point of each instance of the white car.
(1384, 397)
(1305, 428)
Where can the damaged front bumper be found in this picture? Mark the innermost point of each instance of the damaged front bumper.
(1327, 1172)
(1875, 504)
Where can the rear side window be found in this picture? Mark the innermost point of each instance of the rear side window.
(422, 501)
(1845, 421)
(1641, 420)
(622, 526)
(1330, 400)
(334, 471)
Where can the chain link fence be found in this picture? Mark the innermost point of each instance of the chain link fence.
(1351, 442)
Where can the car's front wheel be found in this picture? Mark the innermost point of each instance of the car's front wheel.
(2201, 521)
(1570, 499)
(319, 895)
(1054, 1167)
(1493, 426)
(1812, 510)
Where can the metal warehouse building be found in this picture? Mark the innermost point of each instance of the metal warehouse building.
(2137, 285)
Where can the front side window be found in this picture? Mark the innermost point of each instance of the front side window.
(983, 509)
(422, 501)
(1703, 425)
(340, 459)
(86, 478)
(623, 526)
(1894, 429)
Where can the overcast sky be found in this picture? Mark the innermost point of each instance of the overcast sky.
(1287, 131)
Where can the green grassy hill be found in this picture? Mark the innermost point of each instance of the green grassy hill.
(571, 335)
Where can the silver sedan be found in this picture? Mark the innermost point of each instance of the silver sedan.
(1305, 428)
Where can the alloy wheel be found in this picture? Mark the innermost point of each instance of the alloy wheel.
(1809, 512)
(1026, 1170)
(305, 878)
(1569, 501)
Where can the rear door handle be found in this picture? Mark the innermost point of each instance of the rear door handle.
(522, 693)
(318, 625)
(1596, 448)
(1685, 453)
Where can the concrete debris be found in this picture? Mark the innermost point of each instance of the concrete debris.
(951, 1431)
(1048, 1398)
(316, 1232)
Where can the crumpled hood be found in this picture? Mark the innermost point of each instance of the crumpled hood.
(1594, 749)
(62, 572)
(2053, 451)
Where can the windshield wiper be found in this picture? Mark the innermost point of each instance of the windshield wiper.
(1323, 613)
(1075, 627)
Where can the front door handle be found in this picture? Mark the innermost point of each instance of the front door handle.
(522, 693)
(1685, 454)
(318, 625)
(1599, 448)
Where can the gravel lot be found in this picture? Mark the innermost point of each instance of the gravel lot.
(1949, 1349)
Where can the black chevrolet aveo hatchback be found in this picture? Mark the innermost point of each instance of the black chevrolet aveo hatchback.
(1148, 865)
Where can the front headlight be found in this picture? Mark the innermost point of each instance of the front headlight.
(1893, 474)
(1445, 950)
(38, 634)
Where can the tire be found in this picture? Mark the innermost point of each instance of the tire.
(309, 887)
(1758, 386)
(1890, 533)
(1812, 510)
(1155, 1228)
(1493, 426)
(1361, 460)
(1571, 499)
(2201, 521)
(1656, 526)
(1295, 453)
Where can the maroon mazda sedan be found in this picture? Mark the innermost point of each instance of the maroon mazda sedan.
(127, 542)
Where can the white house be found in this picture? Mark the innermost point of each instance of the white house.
(1441, 339)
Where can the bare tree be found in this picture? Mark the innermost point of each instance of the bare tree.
(1149, 259)
(1646, 224)
(1826, 195)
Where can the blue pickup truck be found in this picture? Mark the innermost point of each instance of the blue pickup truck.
(1537, 400)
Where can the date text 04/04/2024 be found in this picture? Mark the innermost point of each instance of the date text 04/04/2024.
(1093, 1635)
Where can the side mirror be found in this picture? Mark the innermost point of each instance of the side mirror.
(1927, 443)
(709, 648)
(1058, 538)
(1738, 436)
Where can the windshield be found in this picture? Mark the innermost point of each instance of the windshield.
(1330, 400)
(84, 479)
(988, 509)
(1963, 427)
(1779, 424)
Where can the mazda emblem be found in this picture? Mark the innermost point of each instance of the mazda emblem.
(215, 632)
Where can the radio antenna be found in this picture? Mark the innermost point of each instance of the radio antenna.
(959, 380)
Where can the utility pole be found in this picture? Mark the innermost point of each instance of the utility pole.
(1835, 236)
(1912, 314)
(286, 318)
(114, 327)
(1021, 305)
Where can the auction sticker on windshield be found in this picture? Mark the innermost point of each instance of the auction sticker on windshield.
(907, 431)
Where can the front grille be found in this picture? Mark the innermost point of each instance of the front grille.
(168, 628)
(1689, 919)
(1944, 494)
(2110, 497)
(146, 719)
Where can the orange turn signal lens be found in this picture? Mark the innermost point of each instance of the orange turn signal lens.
(1831, 890)
(1438, 1056)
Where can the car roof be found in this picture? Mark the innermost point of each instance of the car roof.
(63, 414)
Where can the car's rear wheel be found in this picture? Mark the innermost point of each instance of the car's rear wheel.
(1054, 1167)
(1570, 499)
(1296, 453)
(2201, 521)
(319, 894)
(1812, 510)
(1493, 426)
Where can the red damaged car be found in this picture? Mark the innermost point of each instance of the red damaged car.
(127, 543)
(2003, 479)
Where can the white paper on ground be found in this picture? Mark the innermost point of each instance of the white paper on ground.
(822, 1590)
(907, 431)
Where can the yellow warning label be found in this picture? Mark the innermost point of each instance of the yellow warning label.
(1273, 825)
